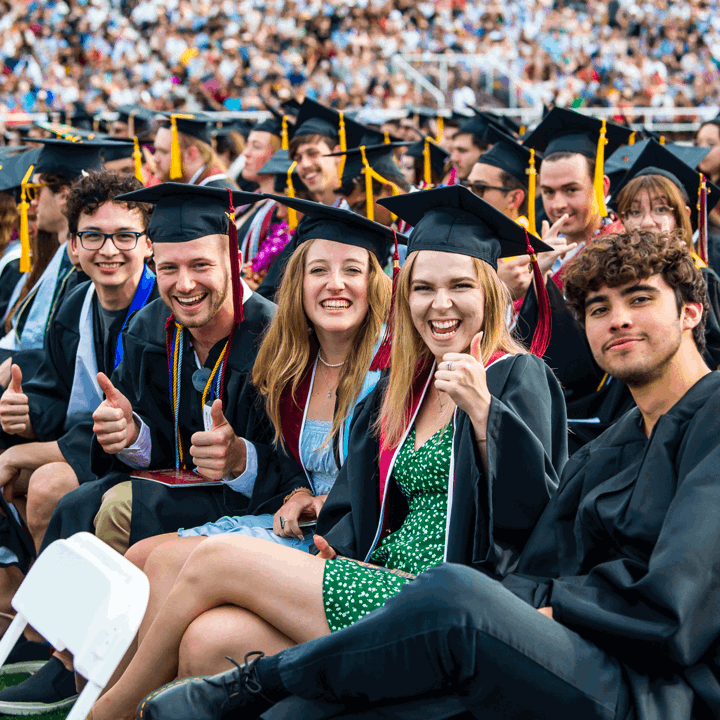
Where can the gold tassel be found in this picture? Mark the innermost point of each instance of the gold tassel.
(441, 128)
(631, 140)
(369, 199)
(176, 169)
(427, 168)
(24, 228)
(343, 146)
(662, 139)
(290, 192)
(532, 172)
(137, 158)
(600, 171)
(284, 142)
(386, 134)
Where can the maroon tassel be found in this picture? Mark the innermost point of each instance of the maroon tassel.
(381, 361)
(168, 343)
(237, 289)
(703, 221)
(543, 330)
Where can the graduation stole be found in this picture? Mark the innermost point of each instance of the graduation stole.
(258, 230)
(214, 386)
(292, 407)
(140, 298)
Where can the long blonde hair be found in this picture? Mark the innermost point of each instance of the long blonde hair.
(289, 343)
(410, 354)
(9, 220)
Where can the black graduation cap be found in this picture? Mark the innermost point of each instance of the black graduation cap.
(316, 119)
(137, 118)
(326, 222)
(197, 125)
(656, 159)
(455, 220)
(279, 165)
(623, 158)
(570, 131)
(377, 137)
(68, 158)
(379, 157)
(435, 157)
(503, 122)
(14, 168)
(7, 150)
(187, 212)
(478, 127)
(119, 150)
(508, 155)
(291, 107)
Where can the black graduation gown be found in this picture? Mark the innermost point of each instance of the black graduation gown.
(9, 278)
(627, 553)
(142, 377)
(271, 281)
(49, 390)
(490, 518)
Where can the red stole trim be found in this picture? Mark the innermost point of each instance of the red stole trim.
(292, 411)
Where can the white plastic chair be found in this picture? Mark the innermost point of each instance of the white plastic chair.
(82, 596)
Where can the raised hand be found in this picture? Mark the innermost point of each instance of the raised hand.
(115, 427)
(14, 406)
(551, 236)
(515, 273)
(218, 452)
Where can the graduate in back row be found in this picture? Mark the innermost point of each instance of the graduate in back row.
(433, 472)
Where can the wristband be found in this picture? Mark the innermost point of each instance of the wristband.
(298, 490)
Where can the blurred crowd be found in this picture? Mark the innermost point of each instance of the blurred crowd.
(227, 54)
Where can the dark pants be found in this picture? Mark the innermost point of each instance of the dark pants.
(455, 633)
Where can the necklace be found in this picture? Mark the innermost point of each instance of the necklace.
(327, 364)
(328, 385)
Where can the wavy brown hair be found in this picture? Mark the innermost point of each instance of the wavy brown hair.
(288, 345)
(9, 218)
(410, 354)
(658, 185)
(615, 260)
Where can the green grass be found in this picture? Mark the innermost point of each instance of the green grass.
(15, 679)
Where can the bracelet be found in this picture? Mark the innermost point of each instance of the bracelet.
(298, 490)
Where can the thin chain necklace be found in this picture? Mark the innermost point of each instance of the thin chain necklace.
(327, 364)
(328, 385)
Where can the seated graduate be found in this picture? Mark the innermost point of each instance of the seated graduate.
(473, 437)
(312, 369)
(622, 565)
(54, 408)
(205, 413)
(659, 193)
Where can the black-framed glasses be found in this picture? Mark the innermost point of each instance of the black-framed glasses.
(122, 240)
(479, 188)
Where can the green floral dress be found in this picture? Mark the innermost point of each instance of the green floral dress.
(352, 589)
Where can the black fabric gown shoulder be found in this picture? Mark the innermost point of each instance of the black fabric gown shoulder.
(142, 377)
(490, 518)
(712, 321)
(9, 278)
(627, 553)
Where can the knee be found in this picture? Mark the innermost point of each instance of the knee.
(48, 484)
(112, 522)
(197, 643)
(210, 560)
(171, 555)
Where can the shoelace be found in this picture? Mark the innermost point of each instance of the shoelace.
(247, 678)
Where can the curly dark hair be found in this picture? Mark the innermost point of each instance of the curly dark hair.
(618, 259)
(96, 188)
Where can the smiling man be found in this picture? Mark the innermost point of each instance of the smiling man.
(611, 611)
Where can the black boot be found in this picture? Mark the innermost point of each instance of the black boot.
(208, 698)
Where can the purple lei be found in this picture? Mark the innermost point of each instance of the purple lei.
(277, 238)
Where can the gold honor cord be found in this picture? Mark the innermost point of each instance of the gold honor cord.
(369, 175)
(532, 179)
(24, 227)
(631, 140)
(600, 171)
(284, 141)
(427, 167)
(176, 167)
(290, 192)
(343, 146)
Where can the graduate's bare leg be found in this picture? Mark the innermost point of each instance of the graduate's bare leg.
(47, 485)
(280, 585)
(138, 553)
(223, 632)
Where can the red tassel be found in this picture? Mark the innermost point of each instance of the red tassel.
(453, 178)
(703, 221)
(381, 361)
(169, 323)
(237, 289)
(543, 330)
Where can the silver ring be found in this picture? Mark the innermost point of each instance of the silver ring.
(449, 365)
(282, 522)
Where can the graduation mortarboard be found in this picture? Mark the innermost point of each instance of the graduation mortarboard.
(424, 115)
(137, 118)
(326, 222)
(286, 179)
(187, 212)
(564, 130)
(700, 194)
(197, 125)
(503, 122)
(452, 219)
(434, 158)
(373, 162)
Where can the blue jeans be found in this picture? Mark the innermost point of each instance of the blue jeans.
(456, 633)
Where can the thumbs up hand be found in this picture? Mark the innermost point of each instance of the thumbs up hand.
(14, 407)
(115, 427)
(462, 377)
(218, 452)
